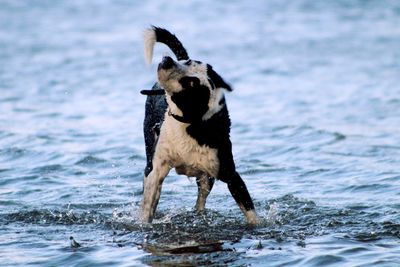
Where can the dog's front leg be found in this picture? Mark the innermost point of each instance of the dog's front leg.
(152, 189)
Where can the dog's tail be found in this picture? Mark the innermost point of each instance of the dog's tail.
(156, 34)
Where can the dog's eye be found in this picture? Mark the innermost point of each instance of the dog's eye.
(187, 63)
(189, 82)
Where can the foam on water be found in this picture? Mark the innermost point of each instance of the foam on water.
(315, 116)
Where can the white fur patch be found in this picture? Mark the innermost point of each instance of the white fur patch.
(213, 104)
(149, 41)
(183, 152)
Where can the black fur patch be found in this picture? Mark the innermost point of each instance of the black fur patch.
(214, 133)
(193, 99)
(217, 79)
(156, 105)
(165, 37)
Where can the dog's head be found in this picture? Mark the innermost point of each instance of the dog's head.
(192, 87)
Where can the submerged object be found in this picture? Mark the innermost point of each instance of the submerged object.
(74, 244)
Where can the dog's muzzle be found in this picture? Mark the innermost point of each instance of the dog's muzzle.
(166, 63)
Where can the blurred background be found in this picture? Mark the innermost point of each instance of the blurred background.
(316, 124)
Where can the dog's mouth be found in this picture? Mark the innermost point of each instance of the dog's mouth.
(169, 72)
(166, 63)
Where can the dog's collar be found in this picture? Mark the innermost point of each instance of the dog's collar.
(180, 118)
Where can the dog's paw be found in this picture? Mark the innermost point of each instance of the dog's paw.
(252, 218)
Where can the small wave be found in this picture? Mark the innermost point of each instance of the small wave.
(370, 188)
(48, 169)
(324, 260)
(19, 179)
(90, 160)
(308, 134)
(51, 217)
(365, 236)
(14, 152)
(354, 250)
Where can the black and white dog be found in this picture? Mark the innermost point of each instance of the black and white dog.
(187, 127)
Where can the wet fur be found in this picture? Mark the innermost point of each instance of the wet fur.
(188, 128)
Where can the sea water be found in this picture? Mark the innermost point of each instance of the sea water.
(315, 130)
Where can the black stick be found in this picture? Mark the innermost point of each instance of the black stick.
(153, 92)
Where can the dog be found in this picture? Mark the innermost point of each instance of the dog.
(187, 127)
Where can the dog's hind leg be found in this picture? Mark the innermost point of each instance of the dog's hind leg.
(152, 189)
(204, 185)
(241, 195)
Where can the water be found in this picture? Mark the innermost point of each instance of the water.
(316, 125)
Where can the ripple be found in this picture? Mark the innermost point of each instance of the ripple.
(373, 188)
(19, 179)
(366, 236)
(48, 217)
(354, 250)
(320, 120)
(5, 170)
(174, 234)
(325, 260)
(48, 169)
(14, 152)
(90, 160)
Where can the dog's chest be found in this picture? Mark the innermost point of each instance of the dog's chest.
(184, 153)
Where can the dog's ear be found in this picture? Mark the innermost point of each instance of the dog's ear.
(217, 79)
